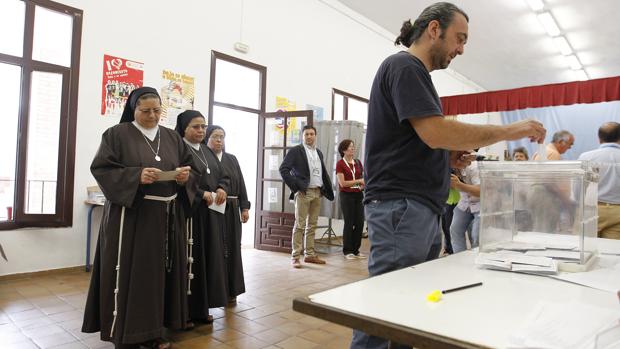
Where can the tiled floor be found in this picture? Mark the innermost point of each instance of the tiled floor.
(46, 311)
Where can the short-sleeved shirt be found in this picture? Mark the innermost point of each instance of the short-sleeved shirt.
(398, 163)
(348, 170)
(471, 175)
(607, 159)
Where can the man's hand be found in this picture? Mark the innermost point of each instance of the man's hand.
(207, 196)
(183, 175)
(149, 175)
(220, 196)
(461, 159)
(532, 129)
(454, 181)
(245, 215)
(300, 193)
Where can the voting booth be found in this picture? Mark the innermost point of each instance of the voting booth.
(329, 135)
(538, 217)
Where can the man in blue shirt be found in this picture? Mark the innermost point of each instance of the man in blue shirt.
(410, 146)
(607, 159)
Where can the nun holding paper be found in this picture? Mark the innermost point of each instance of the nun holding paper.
(139, 281)
(208, 285)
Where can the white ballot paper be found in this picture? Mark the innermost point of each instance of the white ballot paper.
(605, 275)
(215, 207)
(542, 152)
(559, 254)
(517, 262)
(167, 175)
(560, 325)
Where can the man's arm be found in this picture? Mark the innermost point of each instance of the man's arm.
(285, 171)
(439, 132)
(471, 189)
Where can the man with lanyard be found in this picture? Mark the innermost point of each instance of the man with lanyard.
(410, 146)
(304, 173)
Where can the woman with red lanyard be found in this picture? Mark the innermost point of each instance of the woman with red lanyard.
(350, 173)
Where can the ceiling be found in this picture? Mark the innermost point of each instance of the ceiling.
(508, 48)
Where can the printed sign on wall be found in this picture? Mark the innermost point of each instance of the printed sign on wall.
(177, 95)
(120, 77)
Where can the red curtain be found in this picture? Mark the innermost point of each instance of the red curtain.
(591, 91)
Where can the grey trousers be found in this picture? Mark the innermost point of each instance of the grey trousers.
(402, 233)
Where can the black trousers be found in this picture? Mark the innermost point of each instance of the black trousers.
(446, 221)
(353, 212)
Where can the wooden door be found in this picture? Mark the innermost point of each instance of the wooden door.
(275, 214)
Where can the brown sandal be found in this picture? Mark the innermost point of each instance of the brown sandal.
(208, 320)
(158, 343)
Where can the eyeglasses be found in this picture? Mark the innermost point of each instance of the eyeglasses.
(217, 138)
(199, 127)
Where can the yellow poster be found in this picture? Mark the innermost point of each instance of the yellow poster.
(284, 104)
(294, 124)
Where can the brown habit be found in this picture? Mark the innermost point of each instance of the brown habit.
(152, 289)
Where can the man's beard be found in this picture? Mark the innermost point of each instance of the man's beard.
(439, 56)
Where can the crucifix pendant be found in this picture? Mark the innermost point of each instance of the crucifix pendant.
(157, 158)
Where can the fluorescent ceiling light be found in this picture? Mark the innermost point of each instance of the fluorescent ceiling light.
(573, 62)
(549, 24)
(536, 5)
(562, 45)
(581, 75)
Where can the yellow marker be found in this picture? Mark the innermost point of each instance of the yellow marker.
(434, 296)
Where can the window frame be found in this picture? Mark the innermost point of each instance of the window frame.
(263, 88)
(345, 102)
(63, 216)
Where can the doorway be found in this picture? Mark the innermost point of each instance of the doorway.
(236, 100)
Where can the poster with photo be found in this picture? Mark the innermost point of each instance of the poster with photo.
(177, 95)
(120, 77)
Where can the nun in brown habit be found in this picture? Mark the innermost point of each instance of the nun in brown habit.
(208, 287)
(237, 211)
(139, 281)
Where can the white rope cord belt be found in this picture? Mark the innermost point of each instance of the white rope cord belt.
(165, 199)
(160, 198)
(190, 254)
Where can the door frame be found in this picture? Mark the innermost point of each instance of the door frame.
(280, 223)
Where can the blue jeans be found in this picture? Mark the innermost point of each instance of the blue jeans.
(402, 233)
(463, 221)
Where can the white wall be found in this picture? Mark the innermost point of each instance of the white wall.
(450, 83)
(308, 47)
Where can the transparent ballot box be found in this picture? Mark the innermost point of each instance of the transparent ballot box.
(540, 209)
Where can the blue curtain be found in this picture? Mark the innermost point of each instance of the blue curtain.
(582, 120)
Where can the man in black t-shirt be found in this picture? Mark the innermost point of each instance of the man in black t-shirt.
(410, 146)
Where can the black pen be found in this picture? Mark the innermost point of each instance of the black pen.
(461, 288)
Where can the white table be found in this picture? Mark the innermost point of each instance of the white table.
(394, 305)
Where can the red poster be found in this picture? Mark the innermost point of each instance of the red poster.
(120, 77)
